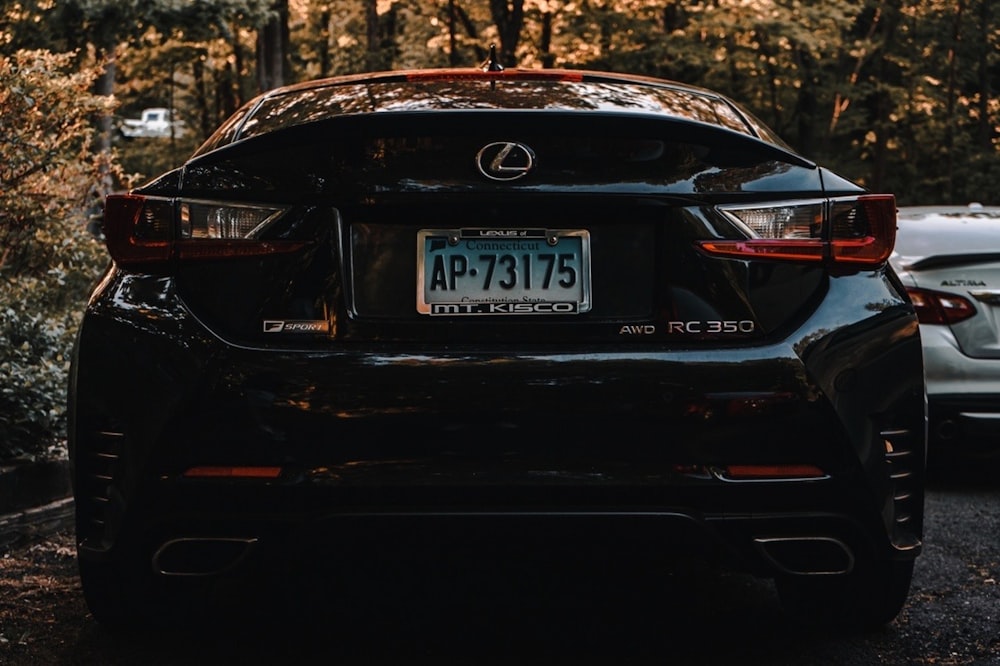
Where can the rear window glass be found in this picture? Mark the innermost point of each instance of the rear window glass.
(304, 106)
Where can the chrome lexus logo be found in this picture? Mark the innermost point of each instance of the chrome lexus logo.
(505, 160)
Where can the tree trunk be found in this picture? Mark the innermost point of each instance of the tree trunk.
(952, 94)
(807, 104)
(882, 103)
(470, 29)
(239, 87)
(205, 119)
(985, 128)
(371, 29)
(548, 58)
(325, 60)
(272, 49)
(508, 15)
(452, 39)
(105, 85)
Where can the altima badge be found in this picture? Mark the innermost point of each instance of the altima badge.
(505, 160)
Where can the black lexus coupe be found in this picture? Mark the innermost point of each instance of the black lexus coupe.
(491, 308)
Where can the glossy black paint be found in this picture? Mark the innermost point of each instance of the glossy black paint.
(446, 427)
(628, 415)
(363, 186)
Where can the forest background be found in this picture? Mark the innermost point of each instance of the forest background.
(901, 96)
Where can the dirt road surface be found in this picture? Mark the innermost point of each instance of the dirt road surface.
(952, 617)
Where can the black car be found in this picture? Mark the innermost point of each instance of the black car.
(394, 311)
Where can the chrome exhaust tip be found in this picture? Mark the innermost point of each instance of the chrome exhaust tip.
(947, 430)
(201, 556)
(807, 556)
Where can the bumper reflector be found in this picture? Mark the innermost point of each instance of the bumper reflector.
(742, 472)
(214, 472)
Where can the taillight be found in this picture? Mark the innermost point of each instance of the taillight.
(142, 230)
(937, 307)
(859, 231)
(137, 233)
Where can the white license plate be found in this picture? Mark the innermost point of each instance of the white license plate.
(503, 271)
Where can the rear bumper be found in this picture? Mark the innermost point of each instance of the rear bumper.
(964, 426)
(183, 539)
(963, 396)
(952, 373)
(377, 439)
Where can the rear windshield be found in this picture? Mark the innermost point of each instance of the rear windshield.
(303, 106)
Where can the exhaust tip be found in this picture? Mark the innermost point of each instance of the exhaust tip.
(200, 556)
(807, 556)
(947, 430)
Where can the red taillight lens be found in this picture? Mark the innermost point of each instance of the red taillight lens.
(858, 231)
(143, 230)
(138, 231)
(936, 307)
(863, 230)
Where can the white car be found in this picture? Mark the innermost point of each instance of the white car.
(152, 123)
(948, 257)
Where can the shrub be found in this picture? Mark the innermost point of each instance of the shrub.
(49, 178)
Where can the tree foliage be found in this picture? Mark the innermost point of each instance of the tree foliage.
(898, 95)
(48, 261)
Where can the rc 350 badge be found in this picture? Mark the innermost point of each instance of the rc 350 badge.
(711, 326)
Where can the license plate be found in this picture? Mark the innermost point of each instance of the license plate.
(503, 271)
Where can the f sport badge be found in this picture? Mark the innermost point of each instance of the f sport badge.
(296, 326)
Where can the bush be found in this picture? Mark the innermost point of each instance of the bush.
(49, 179)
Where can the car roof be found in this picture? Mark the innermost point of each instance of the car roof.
(944, 212)
(945, 230)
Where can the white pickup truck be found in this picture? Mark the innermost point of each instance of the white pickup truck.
(154, 122)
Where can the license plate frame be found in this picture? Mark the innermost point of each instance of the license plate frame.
(483, 271)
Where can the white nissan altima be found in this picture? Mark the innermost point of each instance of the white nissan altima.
(949, 259)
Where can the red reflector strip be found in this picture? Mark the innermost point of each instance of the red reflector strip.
(223, 249)
(772, 472)
(214, 472)
(797, 250)
(866, 250)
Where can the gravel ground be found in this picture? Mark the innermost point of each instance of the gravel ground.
(545, 616)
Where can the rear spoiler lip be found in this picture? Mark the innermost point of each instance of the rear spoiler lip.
(523, 120)
(951, 260)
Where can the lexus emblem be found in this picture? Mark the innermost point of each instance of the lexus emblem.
(505, 160)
